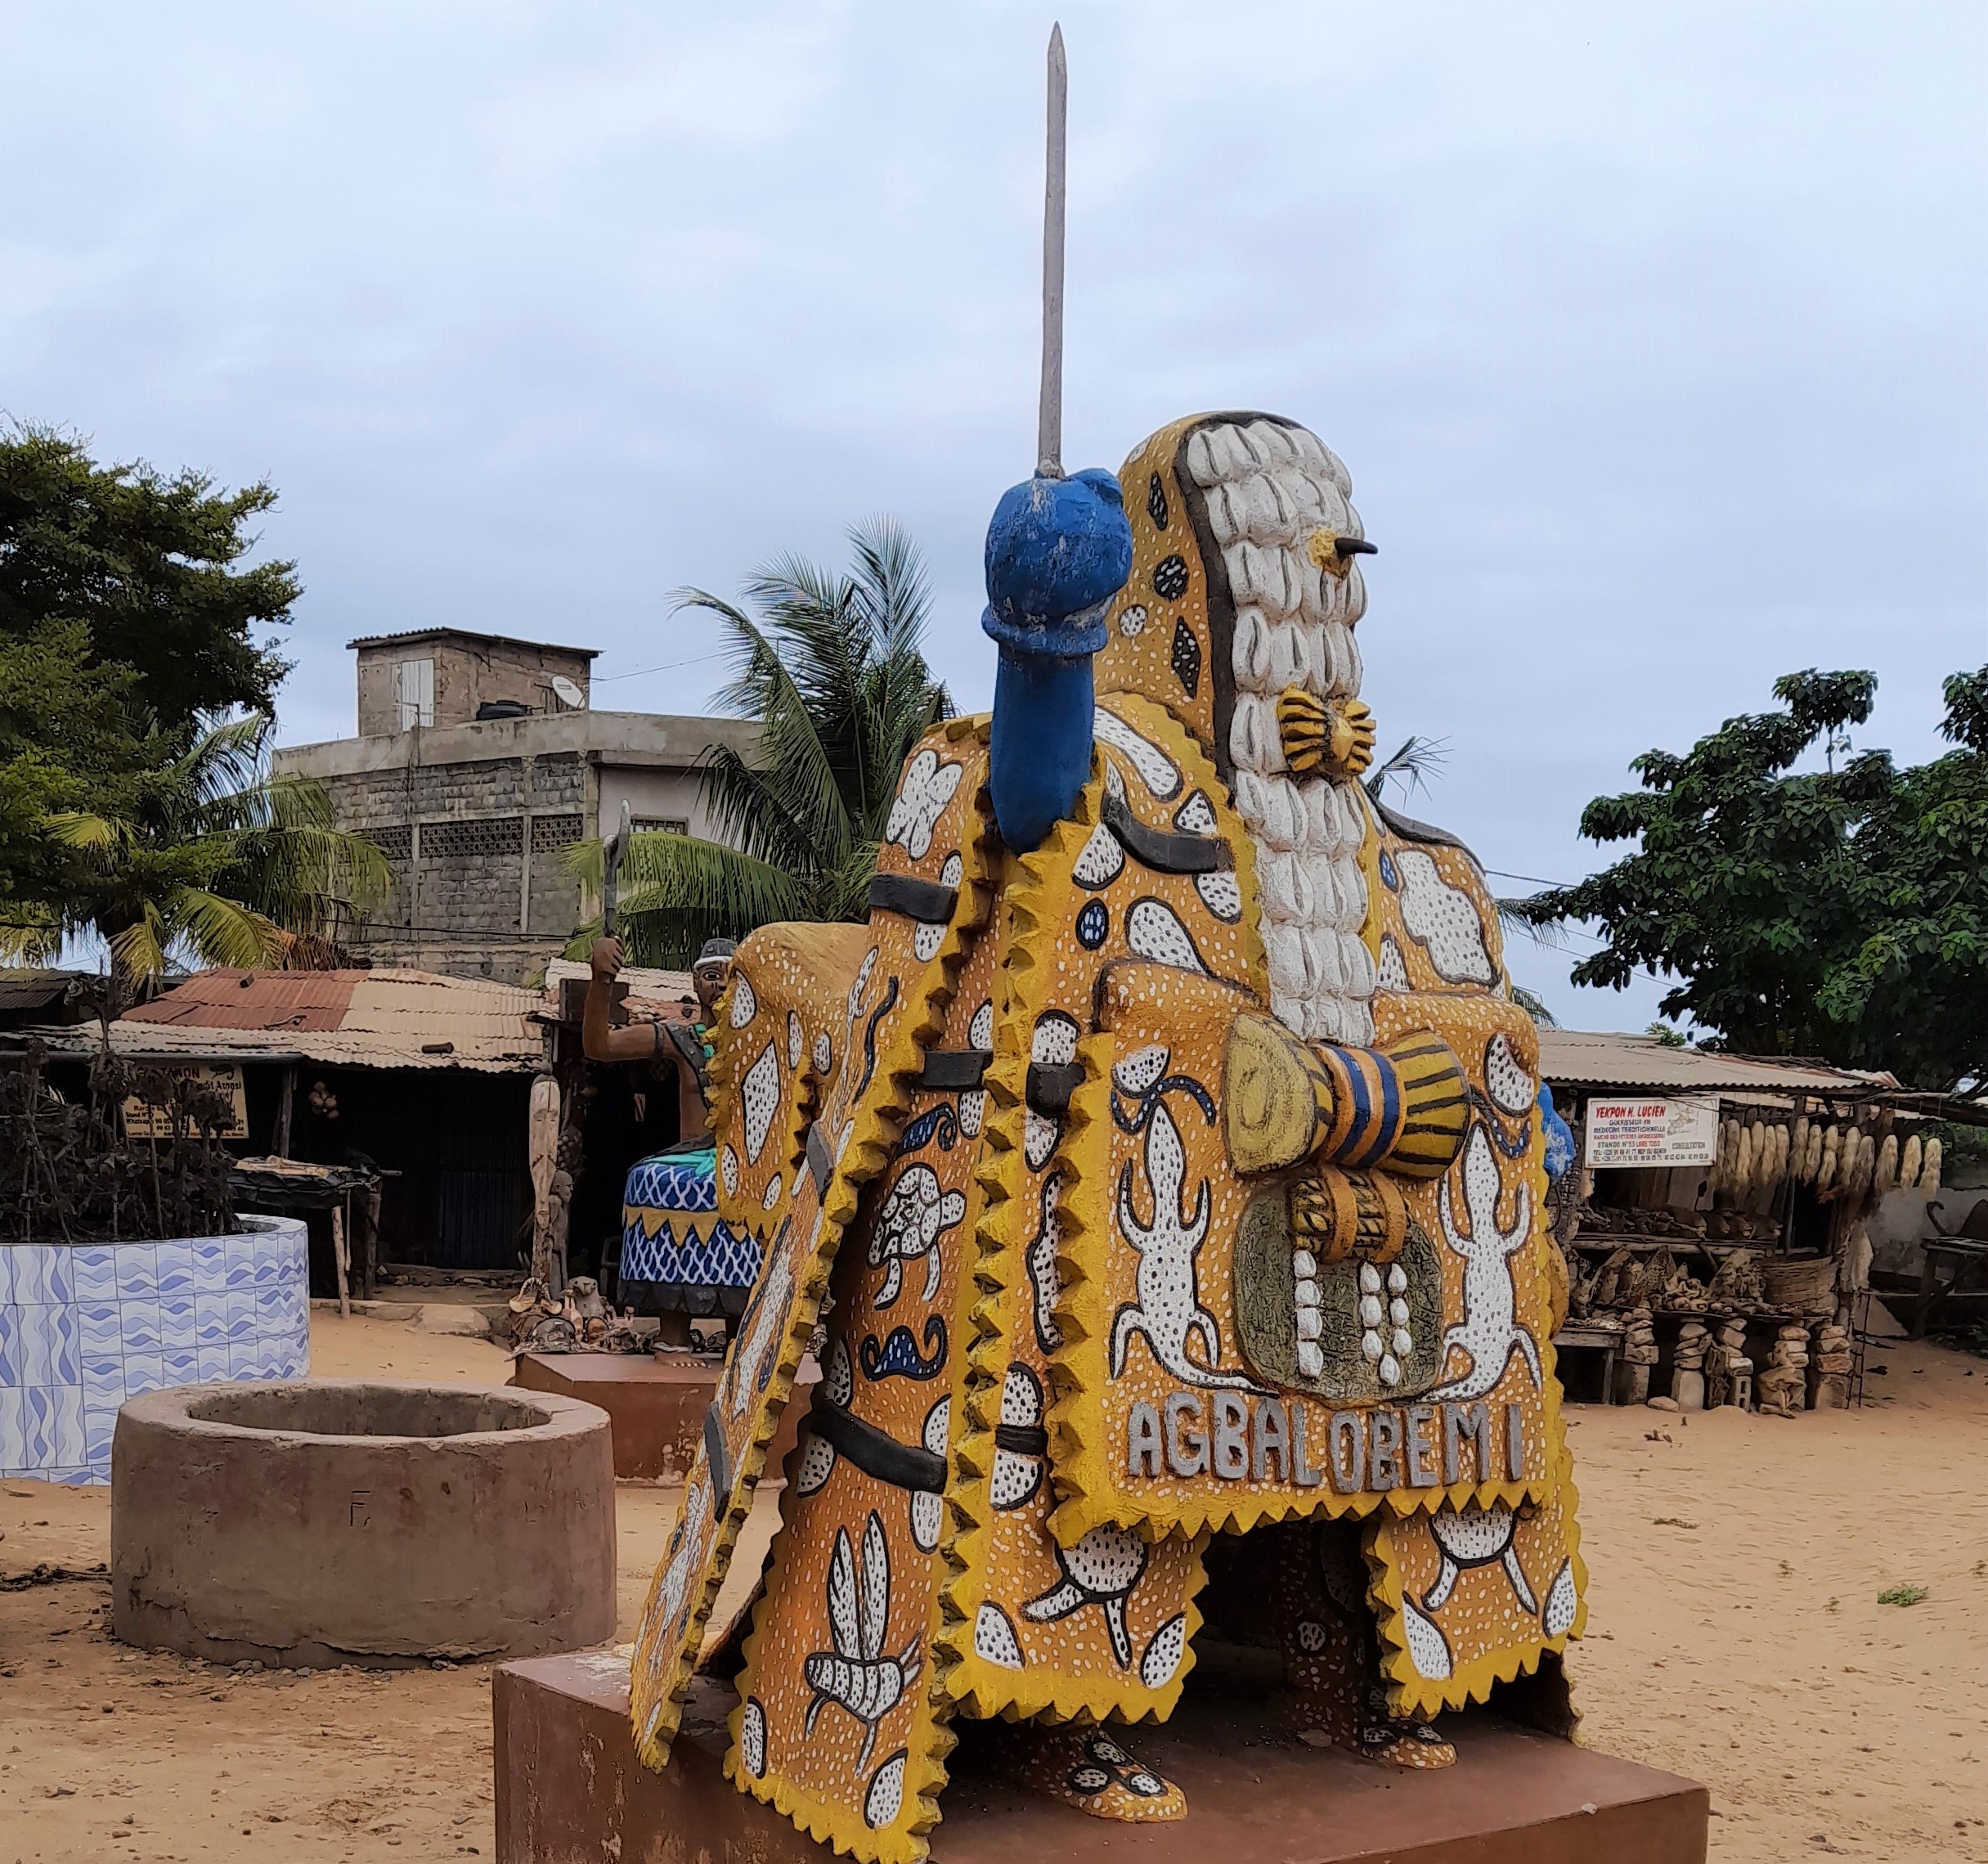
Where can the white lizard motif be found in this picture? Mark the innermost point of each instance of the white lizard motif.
(1489, 1332)
(1169, 1307)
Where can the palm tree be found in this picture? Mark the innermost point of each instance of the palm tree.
(214, 860)
(832, 668)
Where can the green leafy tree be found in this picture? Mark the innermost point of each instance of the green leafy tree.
(1840, 911)
(832, 667)
(203, 856)
(151, 566)
(65, 739)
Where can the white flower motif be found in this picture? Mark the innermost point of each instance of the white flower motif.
(921, 798)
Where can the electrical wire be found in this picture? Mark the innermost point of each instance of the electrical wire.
(667, 666)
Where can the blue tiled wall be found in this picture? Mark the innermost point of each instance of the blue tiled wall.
(82, 1329)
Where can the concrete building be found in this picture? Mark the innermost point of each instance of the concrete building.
(479, 764)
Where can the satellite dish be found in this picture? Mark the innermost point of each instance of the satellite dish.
(566, 692)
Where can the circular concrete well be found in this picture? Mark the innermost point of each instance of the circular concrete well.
(344, 1522)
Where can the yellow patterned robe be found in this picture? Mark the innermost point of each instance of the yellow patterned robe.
(982, 1140)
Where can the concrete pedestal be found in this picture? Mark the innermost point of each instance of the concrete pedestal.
(569, 1788)
(656, 1403)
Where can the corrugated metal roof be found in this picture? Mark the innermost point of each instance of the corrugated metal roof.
(253, 999)
(660, 990)
(25, 991)
(413, 634)
(376, 1019)
(1581, 1057)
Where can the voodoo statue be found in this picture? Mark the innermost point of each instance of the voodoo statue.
(1158, 1175)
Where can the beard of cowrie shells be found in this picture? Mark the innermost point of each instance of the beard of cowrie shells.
(1269, 489)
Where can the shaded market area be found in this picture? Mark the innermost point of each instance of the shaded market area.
(1730, 1217)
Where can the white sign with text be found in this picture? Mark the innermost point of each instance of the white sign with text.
(1639, 1131)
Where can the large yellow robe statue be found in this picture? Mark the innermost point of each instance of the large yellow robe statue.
(1169, 1196)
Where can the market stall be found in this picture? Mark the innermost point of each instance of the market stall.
(1714, 1226)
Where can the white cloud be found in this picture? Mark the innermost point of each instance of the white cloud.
(1652, 335)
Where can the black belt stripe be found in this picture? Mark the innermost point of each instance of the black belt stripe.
(819, 1163)
(949, 1071)
(1163, 849)
(925, 900)
(874, 1452)
(1050, 1086)
(720, 1462)
(1024, 1439)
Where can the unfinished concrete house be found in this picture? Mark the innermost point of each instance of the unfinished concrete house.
(478, 763)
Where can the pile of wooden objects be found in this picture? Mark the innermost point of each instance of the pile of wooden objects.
(579, 1320)
(1629, 1280)
(1679, 1226)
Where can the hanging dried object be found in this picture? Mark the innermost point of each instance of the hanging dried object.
(1743, 1164)
(1847, 1158)
(1862, 1167)
(1798, 1148)
(1831, 1151)
(1886, 1174)
(1929, 1171)
(1910, 1162)
(1722, 1158)
(1760, 1189)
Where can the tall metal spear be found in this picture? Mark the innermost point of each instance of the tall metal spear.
(1049, 417)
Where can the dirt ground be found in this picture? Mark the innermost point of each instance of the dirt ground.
(1736, 1636)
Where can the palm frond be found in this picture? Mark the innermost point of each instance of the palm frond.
(831, 666)
(31, 933)
(222, 862)
(676, 891)
(216, 930)
(1411, 766)
(1512, 918)
(1534, 1007)
(96, 835)
(893, 585)
(226, 756)
(141, 951)
(766, 685)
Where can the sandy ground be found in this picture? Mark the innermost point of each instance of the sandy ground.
(1735, 1636)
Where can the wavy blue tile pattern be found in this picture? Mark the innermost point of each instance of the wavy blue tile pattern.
(82, 1329)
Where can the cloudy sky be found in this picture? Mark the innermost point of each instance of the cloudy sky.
(1653, 334)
